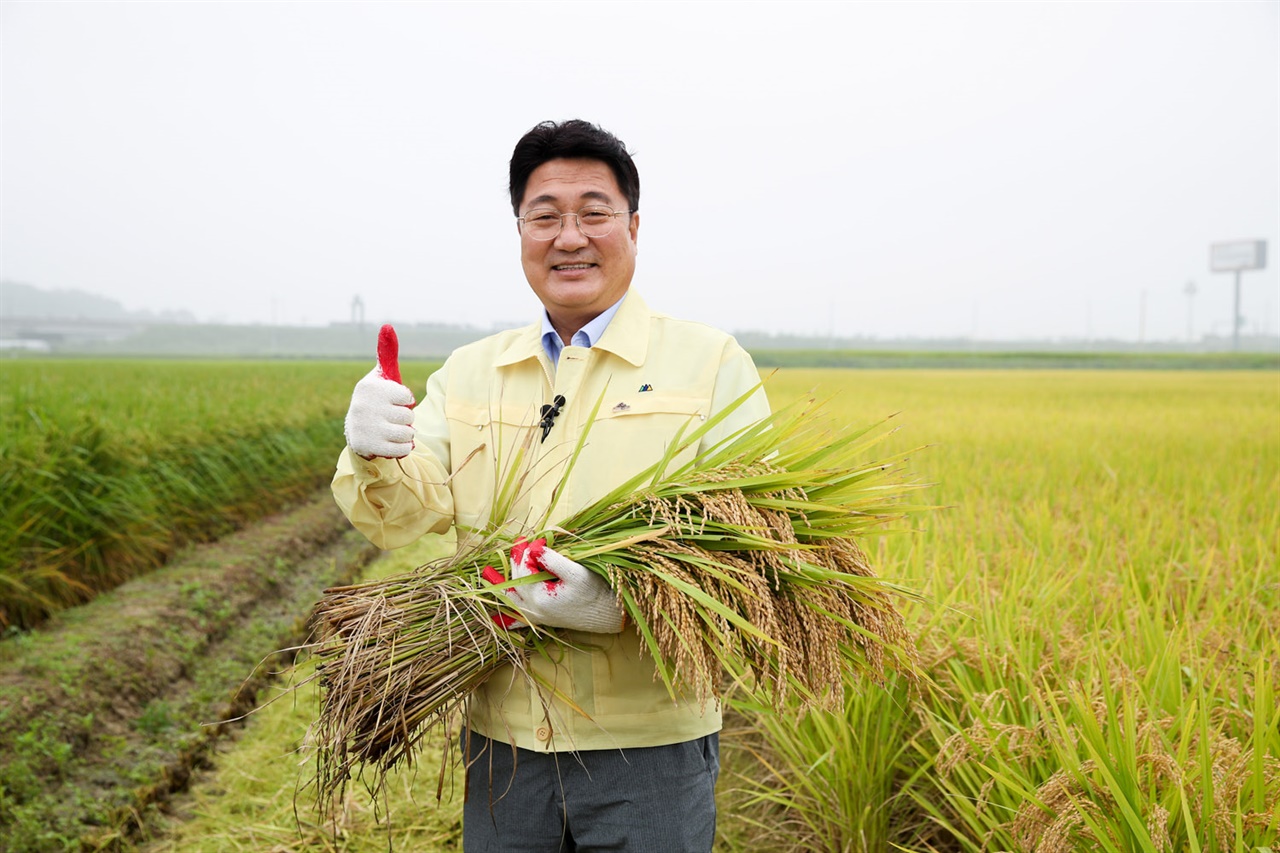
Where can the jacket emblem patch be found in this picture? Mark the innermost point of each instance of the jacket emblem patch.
(646, 387)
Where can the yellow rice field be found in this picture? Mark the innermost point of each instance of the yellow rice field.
(1100, 636)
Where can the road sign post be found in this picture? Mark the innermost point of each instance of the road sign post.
(1237, 256)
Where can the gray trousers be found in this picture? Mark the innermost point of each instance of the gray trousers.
(658, 799)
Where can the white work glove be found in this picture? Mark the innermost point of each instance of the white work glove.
(380, 420)
(579, 599)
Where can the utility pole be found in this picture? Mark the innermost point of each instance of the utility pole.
(1190, 291)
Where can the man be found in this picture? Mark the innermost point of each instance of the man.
(591, 753)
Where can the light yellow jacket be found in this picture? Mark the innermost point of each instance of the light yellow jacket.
(655, 374)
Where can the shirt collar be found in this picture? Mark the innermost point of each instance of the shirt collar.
(627, 336)
(587, 336)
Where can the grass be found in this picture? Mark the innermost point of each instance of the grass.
(1101, 634)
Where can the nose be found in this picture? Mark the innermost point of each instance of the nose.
(570, 236)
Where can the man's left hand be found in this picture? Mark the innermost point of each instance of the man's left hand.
(576, 598)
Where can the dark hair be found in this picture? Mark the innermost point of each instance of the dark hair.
(569, 139)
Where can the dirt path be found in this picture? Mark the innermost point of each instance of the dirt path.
(105, 712)
(257, 794)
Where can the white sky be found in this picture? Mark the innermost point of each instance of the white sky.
(1002, 170)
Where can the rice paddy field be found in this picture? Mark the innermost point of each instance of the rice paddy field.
(108, 466)
(1099, 633)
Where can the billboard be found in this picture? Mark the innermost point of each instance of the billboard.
(1238, 255)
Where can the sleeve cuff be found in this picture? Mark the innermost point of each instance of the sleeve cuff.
(371, 470)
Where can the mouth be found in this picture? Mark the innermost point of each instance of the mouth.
(570, 267)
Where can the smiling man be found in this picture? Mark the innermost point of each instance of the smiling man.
(577, 277)
(586, 751)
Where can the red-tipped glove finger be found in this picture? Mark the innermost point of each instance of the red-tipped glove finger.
(493, 576)
(389, 353)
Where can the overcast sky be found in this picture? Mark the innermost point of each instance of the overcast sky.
(999, 170)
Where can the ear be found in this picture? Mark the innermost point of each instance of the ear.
(634, 228)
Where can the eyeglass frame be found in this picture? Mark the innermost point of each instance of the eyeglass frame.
(577, 221)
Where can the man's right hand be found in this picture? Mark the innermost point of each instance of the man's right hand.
(380, 420)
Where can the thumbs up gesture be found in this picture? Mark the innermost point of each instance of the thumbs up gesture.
(380, 420)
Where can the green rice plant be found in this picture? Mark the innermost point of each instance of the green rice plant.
(1132, 782)
(107, 466)
(1103, 758)
(1084, 752)
(87, 518)
(985, 748)
(797, 779)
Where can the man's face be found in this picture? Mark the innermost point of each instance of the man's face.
(578, 277)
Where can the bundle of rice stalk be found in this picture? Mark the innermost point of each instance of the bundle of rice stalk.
(744, 560)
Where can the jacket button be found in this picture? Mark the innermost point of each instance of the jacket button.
(543, 734)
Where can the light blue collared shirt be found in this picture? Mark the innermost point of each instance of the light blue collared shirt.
(584, 337)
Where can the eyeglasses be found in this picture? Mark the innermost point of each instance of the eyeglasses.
(543, 223)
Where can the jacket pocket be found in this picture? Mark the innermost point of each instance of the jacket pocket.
(633, 433)
(488, 457)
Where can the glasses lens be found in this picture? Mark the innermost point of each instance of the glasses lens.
(595, 221)
(542, 224)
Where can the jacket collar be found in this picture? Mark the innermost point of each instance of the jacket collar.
(627, 336)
